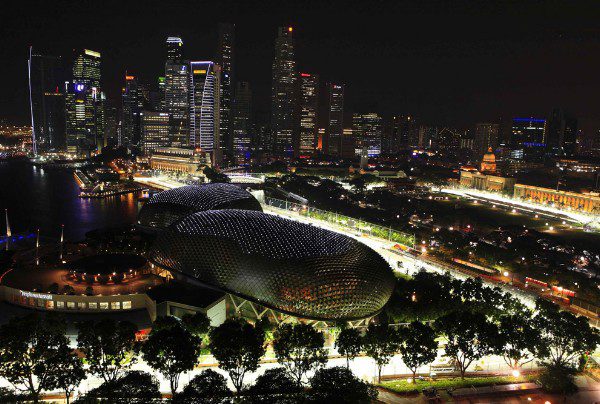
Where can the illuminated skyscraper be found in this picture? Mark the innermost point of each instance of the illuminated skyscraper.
(285, 119)
(155, 130)
(398, 135)
(309, 89)
(368, 131)
(242, 118)
(225, 59)
(47, 102)
(132, 108)
(561, 134)
(204, 107)
(333, 141)
(176, 93)
(84, 102)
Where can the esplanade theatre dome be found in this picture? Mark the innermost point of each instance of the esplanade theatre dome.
(288, 266)
(166, 207)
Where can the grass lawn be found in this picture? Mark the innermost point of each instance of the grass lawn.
(403, 386)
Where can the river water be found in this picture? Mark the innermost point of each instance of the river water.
(46, 198)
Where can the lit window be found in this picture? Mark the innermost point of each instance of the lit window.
(92, 305)
(115, 305)
(70, 305)
(127, 305)
(103, 305)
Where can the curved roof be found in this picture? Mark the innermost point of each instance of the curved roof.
(166, 207)
(288, 266)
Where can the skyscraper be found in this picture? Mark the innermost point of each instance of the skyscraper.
(285, 122)
(309, 90)
(368, 131)
(205, 107)
(242, 118)
(225, 59)
(84, 102)
(155, 131)
(332, 144)
(486, 136)
(176, 93)
(397, 134)
(561, 134)
(528, 132)
(47, 102)
(132, 108)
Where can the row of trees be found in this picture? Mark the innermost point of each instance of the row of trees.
(476, 321)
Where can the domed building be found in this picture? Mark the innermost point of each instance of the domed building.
(487, 178)
(166, 207)
(282, 265)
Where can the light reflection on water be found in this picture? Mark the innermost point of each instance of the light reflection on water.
(50, 198)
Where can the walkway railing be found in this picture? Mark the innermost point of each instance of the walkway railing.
(361, 226)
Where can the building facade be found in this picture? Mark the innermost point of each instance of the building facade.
(182, 160)
(155, 131)
(486, 136)
(285, 122)
(309, 90)
(177, 93)
(205, 107)
(132, 109)
(335, 123)
(528, 132)
(84, 104)
(226, 59)
(242, 118)
(561, 134)
(368, 130)
(588, 203)
(47, 102)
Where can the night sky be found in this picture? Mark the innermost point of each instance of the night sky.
(448, 63)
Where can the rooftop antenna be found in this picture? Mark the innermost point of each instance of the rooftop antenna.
(8, 232)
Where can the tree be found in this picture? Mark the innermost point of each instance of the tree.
(133, 387)
(171, 351)
(69, 372)
(358, 184)
(470, 337)
(558, 379)
(299, 348)
(349, 343)
(417, 346)
(518, 339)
(197, 323)
(381, 344)
(29, 347)
(215, 176)
(562, 336)
(206, 388)
(108, 347)
(238, 347)
(274, 382)
(339, 385)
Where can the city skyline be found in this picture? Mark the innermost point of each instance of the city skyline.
(473, 72)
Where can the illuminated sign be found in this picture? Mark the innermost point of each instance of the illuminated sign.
(79, 87)
(129, 77)
(91, 53)
(36, 295)
(304, 74)
(202, 71)
(290, 29)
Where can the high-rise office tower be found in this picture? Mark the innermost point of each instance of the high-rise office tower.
(84, 103)
(561, 134)
(332, 144)
(177, 93)
(398, 133)
(204, 107)
(110, 127)
(348, 144)
(47, 102)
(155, 130)
(285, 121)
(309, 104)
(225, 59)
(242, 118)
(368, 130)
(528, 132)
(486, 136)
(132, 107)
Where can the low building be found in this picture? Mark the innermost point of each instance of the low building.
(179, 159)
(583, 202)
